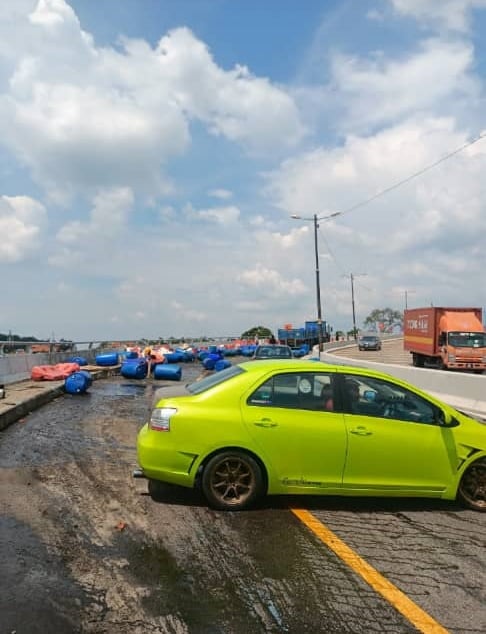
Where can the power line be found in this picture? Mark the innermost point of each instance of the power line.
(415, 175)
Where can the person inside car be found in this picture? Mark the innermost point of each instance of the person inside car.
(352, 395)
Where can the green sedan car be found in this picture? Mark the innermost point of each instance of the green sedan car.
(305, 427)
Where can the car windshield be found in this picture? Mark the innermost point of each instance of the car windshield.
(373, 339)
(214, 379)
(467, 339)
(273, 351)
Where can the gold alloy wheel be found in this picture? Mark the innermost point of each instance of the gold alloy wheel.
(231, 480)
(472, 489)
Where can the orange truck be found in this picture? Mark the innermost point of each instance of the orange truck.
(448, 338)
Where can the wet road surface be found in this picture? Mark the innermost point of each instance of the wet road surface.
(85, 549)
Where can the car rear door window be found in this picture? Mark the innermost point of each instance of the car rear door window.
(296, 390)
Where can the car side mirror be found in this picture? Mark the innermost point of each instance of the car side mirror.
(446, 420)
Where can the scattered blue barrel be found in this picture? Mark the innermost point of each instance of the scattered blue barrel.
(79, 360)
(132, 354)
(174, 357)
(76, 383)
(222, 364)
(109, 358)
(202, 355)
(134, 369)
(168, 371)
(210, 361)
(88, 375)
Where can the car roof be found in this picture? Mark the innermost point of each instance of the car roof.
(297, 364)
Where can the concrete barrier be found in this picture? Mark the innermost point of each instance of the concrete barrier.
(17, 367)
(459, 389)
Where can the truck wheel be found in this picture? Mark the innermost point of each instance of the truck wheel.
(417, 360)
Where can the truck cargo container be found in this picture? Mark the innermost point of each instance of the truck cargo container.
(448, 338)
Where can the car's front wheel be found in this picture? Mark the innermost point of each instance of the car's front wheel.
(231, 481)
(472, 488)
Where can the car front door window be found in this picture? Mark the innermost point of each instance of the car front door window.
(370, 396)
(394, 438)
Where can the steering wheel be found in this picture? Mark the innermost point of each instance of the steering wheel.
(390, 409)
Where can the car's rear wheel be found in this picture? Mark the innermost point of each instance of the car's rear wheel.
(157, 490)
(231, 481)
(472, 488)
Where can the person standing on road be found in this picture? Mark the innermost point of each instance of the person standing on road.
(149, 356)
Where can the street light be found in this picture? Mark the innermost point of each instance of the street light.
(315, 219)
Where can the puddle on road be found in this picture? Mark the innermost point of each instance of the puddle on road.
(120, 389)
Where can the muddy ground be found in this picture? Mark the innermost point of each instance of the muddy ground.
(84, 549)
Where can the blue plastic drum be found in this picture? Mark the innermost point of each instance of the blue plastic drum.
(76, 383)
(109, 358)
(134, 369)
(78, 360)
(168, 371)
(174, 357)
(88, 375)
(222, 364)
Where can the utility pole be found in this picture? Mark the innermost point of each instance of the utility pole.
(352, 276)
(406, 298)
(315, 219)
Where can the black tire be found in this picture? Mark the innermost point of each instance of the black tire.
(158, 490)
(231, 481)
(472, 488)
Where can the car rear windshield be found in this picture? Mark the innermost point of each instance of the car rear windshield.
(214, 379)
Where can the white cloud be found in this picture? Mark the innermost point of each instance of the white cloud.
(381, 90)
(449, 14)
(271, 282)
(22, 221)
(187, 314)
(215, 215)
(82, 117)
(223, 194)
(80, 241)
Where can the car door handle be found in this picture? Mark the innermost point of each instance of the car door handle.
(360, 431)
(265, 422)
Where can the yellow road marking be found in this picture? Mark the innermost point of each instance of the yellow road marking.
(420, 619)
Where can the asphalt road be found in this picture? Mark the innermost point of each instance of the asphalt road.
(392, 352)
(84, 549)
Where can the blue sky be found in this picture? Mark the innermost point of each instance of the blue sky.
(153, 151)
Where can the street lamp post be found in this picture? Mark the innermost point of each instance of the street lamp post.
(315, 219)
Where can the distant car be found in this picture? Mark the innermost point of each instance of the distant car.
(300, 427)
(273, 351)
(369, 342)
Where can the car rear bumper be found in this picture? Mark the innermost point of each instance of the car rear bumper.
(158, 459)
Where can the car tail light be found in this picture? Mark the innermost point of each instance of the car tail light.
(160, 418)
